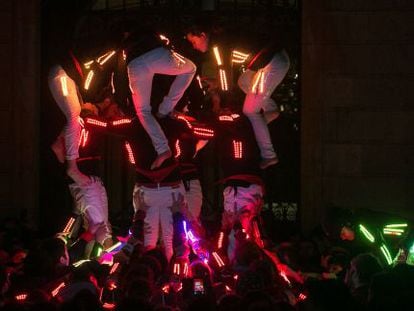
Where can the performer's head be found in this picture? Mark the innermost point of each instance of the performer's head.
(200, 33)
(199, 40)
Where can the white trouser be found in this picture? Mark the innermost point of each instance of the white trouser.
(141, 71)
(157, 204)
(263, 84)
(241, 204)
(194, 198)
(64, 91)
(91, 202)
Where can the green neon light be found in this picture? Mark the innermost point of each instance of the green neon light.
(392, 233)
(99, 250)
(110, 249)
(412, 248)
(386, 254)
(80, 262)
(393, 230)
(396, 226)
(366, 233)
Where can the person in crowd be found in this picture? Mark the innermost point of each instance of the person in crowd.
(393, 288)
(364, 230)
(359, 275)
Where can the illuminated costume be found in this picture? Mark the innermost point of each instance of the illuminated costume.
(364, 230)
(156, 191)
(91, 202)
(76, 79)
(147, 55)
(262, 71)
(258, 91)
(84, 74)
(187, 148)
(89, 199)
(243, 187)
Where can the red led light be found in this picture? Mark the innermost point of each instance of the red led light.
(130, 153)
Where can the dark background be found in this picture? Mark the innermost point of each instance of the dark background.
(355, 65)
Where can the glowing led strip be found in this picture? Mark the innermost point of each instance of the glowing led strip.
(203, 132)
(130, 153)
(88, 64)
(69, 225)
(57, 289)
(21, 297)
(179, 57)
(218, 259)
(237, 149)
(121, 121)
(104, 58)
(200, 84)
(164, 38)
(396, 226)
(223, 80)
(226, 118)
(177, 149)
(239, 57)
(217, 55)
(186, 121)
(88, 80)
(220, 240)
(366, 233)
(386, 254)
(64, 84)
(96, 122)
(114, 268)
(110, 249)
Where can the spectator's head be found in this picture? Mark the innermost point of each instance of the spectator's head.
(84, 300)
(289, 254)
(56, 250)
(47, 258)
(406, 250)
(338, 223)
(202, 303)
(153, 264)
(142, 271)
(336, 260)
(247, 253)
(130, 304)
(199, 270)
(198, 35)
(257, 301)
(328, 295)
(160, 256)
(229, 302)
(361, 270)
(139, 289)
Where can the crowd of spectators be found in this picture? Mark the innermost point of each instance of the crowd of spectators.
(41, 274)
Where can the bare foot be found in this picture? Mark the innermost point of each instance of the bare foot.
(268, 162)
(58, 148)
(160, 159)
(77, 176)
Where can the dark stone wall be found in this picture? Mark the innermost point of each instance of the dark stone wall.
(357, 112)
(19, 106)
